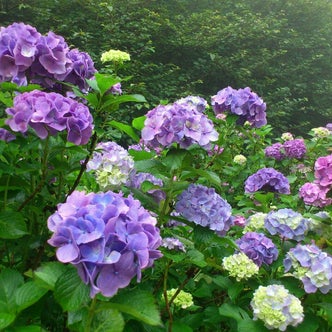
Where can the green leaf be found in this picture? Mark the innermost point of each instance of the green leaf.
(93, 84)
(138, 123)
(28, 294)
(180, 327)
(251, 325)
(328, 310)
(105, 82)
(125, 128)
(6, 319)
(70, 292)
(30, 328)
(139, 304)
(174, 159)
(48, 274)
(232, 311)
(113, 102)
(107, 320)
(196, 257)
(12, 225)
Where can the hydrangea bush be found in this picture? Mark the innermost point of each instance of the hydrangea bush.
(192, 217)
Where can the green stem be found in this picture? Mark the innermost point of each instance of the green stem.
(168, 307)
(92, 308)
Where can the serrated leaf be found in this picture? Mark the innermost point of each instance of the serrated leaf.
(48, 274)
(70, 292)
(6, 319)
(139, 304)
(196, 257)
(107, 320)
(12, 225)
(28, 294)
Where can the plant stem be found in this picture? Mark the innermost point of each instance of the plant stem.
(92, 307)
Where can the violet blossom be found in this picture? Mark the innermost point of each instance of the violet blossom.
(295, 148)
(275, 151)
(323, 171)
(315, 195)
(109, 238)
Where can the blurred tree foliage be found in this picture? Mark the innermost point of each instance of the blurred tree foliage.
(281, 48)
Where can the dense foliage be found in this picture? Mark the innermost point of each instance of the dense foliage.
(281, 49)
(207, 223)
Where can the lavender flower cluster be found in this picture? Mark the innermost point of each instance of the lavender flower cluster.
(109, 239)
(258, 248)
(50, 113)
(112, 165)
(267, 179)
(316, 193)
(294, 148)
(312, 266)
(178, 123)
(203, 206)
(287, 223)
(24, 53)
(242, 102)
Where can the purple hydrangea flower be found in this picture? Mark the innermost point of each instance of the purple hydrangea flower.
(203, 206)
(112, 165)
(323, 171)
(177, 123)
(243, 102)
(172, 244)
(315, 195)
(295, 148)
(258, 248)
(312, 266)
(6, 135)
(136, 180)
(197, 103)
(116, 89)
(267, 179)
(109, 238)
(50, 113)
(275, 151)
(287, 223)
(18, 49)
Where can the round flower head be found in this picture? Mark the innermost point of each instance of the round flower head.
(315, 195)
(243, 102)
(203, 206)
(172, 244)
(50, 113)
(197, 103)
(177, 123)
(109, 238)
(312, 266)
(258, 248)
(18, 49)
(267, 179)
(323, 171)
(115, 56)
(275, 151)
(182, 299)
(276, 307)
(295, 148)
(240, 159)
(137, 179)
(255, 222)
(240, 266)
(287, 137)
(321, 132)
(287, 223)
(112, 165)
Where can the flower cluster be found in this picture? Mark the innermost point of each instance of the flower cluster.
(196, 102)
(287, 223)
(316, 193)
(258, 248)
(294, 148)
(172, 244)
(239, 159)
(240, 266)
(255, 222)
(321, 132)
(243, 102)
(312, 266)
(276, 307)
(203, 206)
(115, 56)
(112, 165)
(24, 53)
(50, 113)
(267, 179)
(109, 238)
(182, 299)
(177, 123)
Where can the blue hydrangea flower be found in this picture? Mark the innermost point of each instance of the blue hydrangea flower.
(203, 206)
(258, 248)
(312, 266)
(109, 238)
(287, 223)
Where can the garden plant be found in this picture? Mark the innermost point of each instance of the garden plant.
(192, 217)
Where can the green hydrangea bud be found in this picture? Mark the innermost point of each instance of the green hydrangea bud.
(240, 266)
(287, 137)
(116, 56)
(321, 132)
(255, 222)
(240, 159)
(183, 299)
